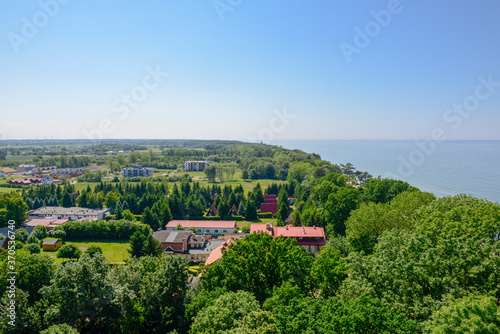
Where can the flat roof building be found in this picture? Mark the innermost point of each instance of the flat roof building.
(195, 166)
(212, 227)
(137, 171)
(72, 213)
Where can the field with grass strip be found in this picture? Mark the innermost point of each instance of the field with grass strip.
(114, 250)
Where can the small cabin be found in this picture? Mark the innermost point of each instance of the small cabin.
(51, 244)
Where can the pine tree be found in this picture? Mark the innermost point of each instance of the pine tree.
(66, 200)
(250, 210)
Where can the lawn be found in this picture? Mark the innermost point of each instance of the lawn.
(114, 250)
(193, 270)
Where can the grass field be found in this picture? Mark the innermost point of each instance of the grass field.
(114, 250)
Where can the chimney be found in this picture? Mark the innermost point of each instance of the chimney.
(286, 226)
(304, 229)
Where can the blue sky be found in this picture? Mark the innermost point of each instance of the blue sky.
(249, 70)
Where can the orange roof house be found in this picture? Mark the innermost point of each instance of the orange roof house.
(309, 237)
(216, 254)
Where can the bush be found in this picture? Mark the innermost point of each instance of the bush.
(32, 239)
(93, 249)
(33, 248)
(265, 215)
(40, 232)
(237, 218)
(60, 329)
(21, 235)
(58, 232)
(68, 251)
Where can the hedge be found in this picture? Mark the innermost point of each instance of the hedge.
(101, 229)
(265, 215)
(237, 218)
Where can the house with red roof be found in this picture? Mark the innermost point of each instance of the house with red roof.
(211, 227)
(309, 237)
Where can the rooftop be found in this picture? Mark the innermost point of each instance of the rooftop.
(289, 231)
(57, 210)
(50, 241)
(227, 224)
(171, 236)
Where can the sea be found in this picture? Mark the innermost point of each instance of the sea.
(443, 168)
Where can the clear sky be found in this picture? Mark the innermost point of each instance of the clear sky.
(249, 70)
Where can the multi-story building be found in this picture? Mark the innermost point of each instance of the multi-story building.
(195, 166)
(137, 171)
(72, 213)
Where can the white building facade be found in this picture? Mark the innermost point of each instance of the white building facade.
(195, 166)
(137, 171)
(72, 213)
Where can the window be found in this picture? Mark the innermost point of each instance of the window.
(216, 231)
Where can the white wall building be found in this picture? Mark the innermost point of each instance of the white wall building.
(136, 171)
(26, 168)
(72, 213)
(198, 166)
(212, 227)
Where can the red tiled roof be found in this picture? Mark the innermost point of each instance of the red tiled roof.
(229, 224)
(293, 232)
(216, 254)
(59, 222)
(36, 222)
(299, 231)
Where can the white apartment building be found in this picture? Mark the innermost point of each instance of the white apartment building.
(136, 171)
(198, 166)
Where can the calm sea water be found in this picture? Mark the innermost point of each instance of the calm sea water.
(445, 168)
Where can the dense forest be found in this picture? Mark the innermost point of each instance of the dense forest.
(397, 260)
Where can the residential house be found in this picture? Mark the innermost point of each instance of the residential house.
(309, 237)
(69, 173)
(233, 211)
(216, 254)
(270, 204)
(212, 211)
(43, 170)
(195, 248)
